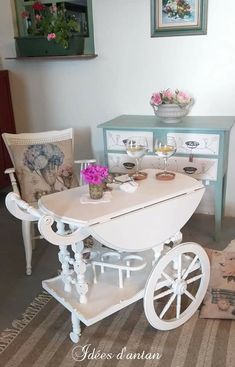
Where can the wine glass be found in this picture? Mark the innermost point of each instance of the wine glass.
(137, 147)
(165, 148)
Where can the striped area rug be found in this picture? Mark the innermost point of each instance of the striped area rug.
(125, 339)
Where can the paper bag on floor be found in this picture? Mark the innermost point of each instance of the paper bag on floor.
(219, 301)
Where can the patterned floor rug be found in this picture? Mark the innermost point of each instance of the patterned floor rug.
(125, 339)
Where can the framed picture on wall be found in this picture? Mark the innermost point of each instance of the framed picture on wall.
(178, 17)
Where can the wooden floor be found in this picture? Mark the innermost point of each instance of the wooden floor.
(18, 290)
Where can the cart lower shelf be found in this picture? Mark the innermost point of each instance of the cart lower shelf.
(105, 297)
(173, 288)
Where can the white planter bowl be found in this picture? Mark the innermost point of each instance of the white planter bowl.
(171, 113)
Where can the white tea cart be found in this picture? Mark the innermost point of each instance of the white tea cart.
(137, 252)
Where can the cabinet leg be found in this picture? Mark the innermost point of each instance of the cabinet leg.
(224, 193)
(218, 210)
(76, 331)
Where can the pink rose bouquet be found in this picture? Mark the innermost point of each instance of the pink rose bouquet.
(168, 96)
(95, 174)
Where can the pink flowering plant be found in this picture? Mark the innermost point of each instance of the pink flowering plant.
(53, 22)
(168, 96)
(95, 174)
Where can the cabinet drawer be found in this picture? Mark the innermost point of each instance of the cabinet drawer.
(200, 168)
(205, 144)
(114, 138)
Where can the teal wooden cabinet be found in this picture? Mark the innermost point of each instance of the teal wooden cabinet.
(202, 149)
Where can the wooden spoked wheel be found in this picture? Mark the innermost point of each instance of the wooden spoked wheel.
(176, 286)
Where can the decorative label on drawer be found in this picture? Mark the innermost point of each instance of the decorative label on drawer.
(206, 144)
(114, 138)
(200, 168)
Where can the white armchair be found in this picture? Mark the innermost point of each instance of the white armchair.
(43, 163)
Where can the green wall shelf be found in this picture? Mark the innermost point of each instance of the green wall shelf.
(53, 58)
(81, 9)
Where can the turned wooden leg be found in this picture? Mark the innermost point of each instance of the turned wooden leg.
(32, 235)
(76, 331)
(80, 269)
(26, 232)
(64, 258)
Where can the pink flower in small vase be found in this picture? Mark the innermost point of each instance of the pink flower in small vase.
(51, 36)
(95, 174)
(156, 99)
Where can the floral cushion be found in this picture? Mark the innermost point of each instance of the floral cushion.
(219, 301)
(43, 169)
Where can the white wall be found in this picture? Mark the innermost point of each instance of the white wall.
(130, 66)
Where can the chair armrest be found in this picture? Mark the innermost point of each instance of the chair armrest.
(9, 170)
(20, 209)
(11, 173)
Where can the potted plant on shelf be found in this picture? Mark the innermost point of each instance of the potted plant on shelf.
(51, 30)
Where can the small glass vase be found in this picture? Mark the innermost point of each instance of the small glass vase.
(96, 191)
